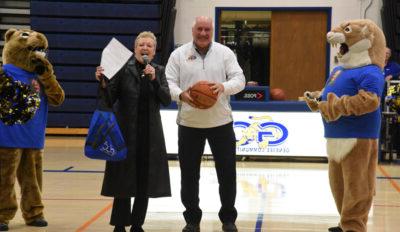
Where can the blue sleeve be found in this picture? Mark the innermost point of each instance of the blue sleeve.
(372, 82)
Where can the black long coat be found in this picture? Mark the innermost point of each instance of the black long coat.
(121, 178)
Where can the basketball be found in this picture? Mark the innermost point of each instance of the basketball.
(202, 95)
(277, 94)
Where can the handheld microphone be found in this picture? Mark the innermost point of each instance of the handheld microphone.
(146, 60)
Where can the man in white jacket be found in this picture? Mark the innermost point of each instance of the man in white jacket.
(203, 59)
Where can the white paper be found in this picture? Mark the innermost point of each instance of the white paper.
(113, 57)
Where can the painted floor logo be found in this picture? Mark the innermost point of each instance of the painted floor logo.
(260, 130)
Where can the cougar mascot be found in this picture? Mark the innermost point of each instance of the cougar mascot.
(21, 144)
(349, 105)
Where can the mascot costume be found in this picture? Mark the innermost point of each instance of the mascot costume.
(27, 86)
(349, 105)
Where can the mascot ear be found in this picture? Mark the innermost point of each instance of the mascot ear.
(9, 33)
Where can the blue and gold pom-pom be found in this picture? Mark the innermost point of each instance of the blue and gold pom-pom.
(18, 101)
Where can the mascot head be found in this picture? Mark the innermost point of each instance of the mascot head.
(361, 41)
(22, 47)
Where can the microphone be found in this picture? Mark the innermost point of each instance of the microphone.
(146, 60)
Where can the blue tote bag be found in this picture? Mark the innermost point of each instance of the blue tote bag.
(104, 140)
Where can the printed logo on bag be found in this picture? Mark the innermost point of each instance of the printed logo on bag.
(108, 149)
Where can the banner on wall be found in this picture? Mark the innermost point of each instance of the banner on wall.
(264, 133)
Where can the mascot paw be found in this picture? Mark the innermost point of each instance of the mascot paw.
(42, 66)
(329, 109)
(323, 108)
(312, 99)
(39, 65)
(38, 223)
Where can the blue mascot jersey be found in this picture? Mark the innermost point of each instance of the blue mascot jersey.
(32, 133)
(348, 82)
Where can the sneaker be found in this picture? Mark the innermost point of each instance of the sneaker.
(136, 229)
(3, 227)
(40, 222)
(335, 229)
(119, 229)
(191, 228)
(229, 227)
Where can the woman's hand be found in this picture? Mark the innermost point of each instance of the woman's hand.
(99, 73)
(99, 76)
(150, 72)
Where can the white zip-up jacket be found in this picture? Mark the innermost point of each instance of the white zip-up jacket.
(186, 67)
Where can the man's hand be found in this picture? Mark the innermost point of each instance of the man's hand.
(217, 88)
(185, 97)
(388, 77)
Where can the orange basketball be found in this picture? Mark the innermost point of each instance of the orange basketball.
(277, 94)
(202, 94)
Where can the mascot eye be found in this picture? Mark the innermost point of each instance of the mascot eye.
(347, 29)
(25, 35)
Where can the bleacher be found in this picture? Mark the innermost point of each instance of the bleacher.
(78, 31)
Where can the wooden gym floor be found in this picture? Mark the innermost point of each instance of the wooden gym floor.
(271, 197)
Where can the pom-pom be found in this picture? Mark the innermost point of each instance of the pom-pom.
(18, 101)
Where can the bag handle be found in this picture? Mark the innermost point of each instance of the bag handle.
(103, 99)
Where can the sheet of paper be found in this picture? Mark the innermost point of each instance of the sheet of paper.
(113, 57)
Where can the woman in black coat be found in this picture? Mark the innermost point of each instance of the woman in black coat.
(136, 93)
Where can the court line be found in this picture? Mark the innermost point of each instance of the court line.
(392, 182)
(260, 219)
(73, 171)
(380, 205)
(69, 168)
(388, 178)
(94, 218)
(76, 199)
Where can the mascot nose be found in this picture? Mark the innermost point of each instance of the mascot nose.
(330, 35)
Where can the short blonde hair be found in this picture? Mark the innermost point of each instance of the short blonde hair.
(146, 34)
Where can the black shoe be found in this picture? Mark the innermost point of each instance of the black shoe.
(335, 229)
(119, 229)
(3, 227)
(191, 228)
(40, 222)
(229, 227)
(136, 229)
